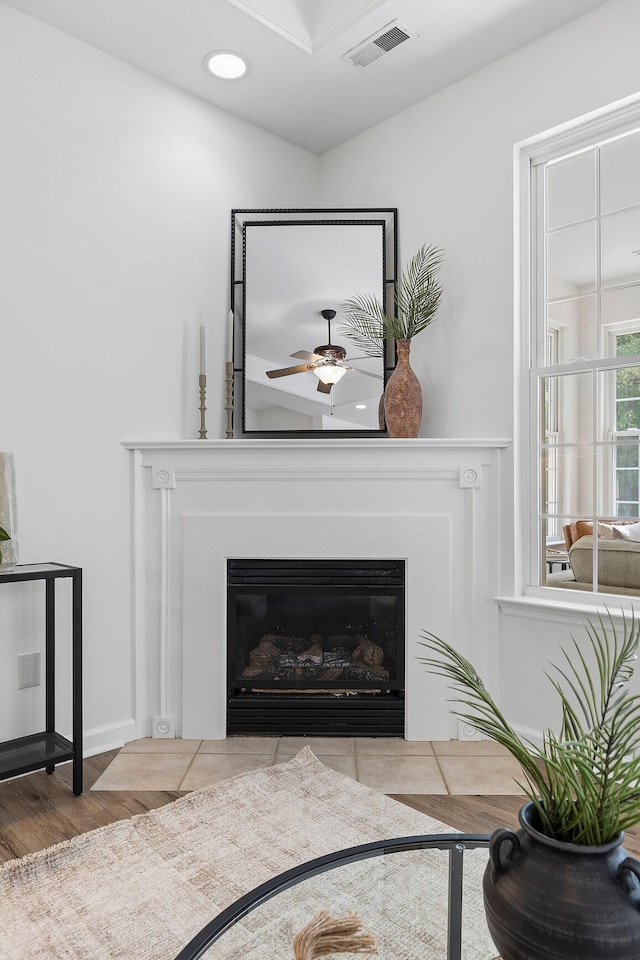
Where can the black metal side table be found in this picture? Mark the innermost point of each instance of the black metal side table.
(47, 748)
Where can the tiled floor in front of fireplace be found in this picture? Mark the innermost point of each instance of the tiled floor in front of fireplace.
(387, 764)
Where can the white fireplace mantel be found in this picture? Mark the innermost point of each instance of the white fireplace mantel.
(433, 502)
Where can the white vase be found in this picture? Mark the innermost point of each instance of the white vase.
(8, 515)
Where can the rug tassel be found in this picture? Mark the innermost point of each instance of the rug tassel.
(326, 934)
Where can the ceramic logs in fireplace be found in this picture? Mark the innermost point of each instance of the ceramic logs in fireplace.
(316, 647)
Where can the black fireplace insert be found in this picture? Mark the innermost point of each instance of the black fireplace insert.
(316, 647)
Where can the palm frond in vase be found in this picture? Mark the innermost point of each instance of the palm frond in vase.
(417, 296)
(585, 780)
(365, 319)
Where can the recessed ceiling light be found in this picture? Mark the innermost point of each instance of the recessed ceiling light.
(225, 64)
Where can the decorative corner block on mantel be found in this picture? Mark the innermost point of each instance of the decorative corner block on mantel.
(469, 477)
(163, 478)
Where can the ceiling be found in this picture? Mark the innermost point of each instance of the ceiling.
(299, 85)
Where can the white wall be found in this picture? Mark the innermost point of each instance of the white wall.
(115, 199)
(447, 164)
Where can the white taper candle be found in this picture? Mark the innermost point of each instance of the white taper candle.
(230, 336)
(202, 351)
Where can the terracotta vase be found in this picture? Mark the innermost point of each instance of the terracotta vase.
(549, 900)
(403, 397)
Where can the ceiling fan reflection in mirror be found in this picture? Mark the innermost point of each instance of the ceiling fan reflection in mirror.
(328, 361)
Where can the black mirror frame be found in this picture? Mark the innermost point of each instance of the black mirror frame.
(388, 216)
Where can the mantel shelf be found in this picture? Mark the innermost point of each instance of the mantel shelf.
(362, 443)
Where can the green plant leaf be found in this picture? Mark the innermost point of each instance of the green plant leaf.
(585, 781)
(419, 291)
(365, 324)
(417, 297)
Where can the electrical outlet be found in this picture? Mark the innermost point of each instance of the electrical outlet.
(29, 670)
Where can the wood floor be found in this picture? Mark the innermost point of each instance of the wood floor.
(38, 810)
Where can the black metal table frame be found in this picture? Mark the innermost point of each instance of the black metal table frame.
(455, 843)
(46, 749)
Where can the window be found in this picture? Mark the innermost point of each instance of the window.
(582, 288)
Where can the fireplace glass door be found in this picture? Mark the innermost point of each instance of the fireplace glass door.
(316, 647)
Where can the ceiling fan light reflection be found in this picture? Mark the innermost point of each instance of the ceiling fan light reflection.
(327, 373)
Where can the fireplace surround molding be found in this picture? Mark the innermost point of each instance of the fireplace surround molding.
(434, 503)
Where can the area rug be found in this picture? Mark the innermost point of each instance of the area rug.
(144, 887)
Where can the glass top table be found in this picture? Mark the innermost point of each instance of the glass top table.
(419, 897)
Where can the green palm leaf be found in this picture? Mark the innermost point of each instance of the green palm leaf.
(419, 292)
(416, 301)
(365, 323)
(585, 781)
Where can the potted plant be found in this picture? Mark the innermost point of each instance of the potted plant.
(562, 886)
(366, 321)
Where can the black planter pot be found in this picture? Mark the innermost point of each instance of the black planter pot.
(549, 900)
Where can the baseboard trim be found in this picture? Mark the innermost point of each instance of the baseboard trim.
(528, 733)
(111, 736)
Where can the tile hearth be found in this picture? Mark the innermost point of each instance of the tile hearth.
(389, 765)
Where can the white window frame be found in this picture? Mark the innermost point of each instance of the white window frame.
(574, 137)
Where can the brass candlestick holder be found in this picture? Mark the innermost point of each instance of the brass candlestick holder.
(202, 381)
(229, 406)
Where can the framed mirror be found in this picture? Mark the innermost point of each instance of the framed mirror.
(291, 270)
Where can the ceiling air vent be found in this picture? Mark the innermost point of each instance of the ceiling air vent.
(378, 45)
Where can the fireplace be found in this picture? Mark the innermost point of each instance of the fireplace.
(436, 503)
(316, 647)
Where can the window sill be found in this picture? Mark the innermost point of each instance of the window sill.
(555, 604)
